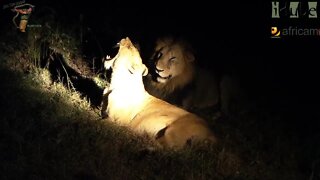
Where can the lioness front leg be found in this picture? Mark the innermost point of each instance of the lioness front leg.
(104, 104)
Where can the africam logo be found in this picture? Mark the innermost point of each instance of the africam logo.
(275, 32)
(294, 31)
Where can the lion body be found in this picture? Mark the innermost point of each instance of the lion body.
(129, 104)
(176, 78)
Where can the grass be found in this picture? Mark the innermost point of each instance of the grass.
(51, 132)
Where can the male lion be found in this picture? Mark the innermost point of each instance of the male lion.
(129, 104)
(176, 78)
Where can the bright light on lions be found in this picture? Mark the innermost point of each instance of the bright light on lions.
(177, 79)
(129, 104)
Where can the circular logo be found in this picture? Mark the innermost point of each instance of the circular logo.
(275, 32)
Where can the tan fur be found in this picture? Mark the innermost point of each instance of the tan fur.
(200, 85)
(129, 104)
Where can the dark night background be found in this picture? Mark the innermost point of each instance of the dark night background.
(282, 75)
(227, 36)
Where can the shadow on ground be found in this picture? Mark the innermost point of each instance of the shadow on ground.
(61, 71)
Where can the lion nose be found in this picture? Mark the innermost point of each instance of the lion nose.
(159, 70)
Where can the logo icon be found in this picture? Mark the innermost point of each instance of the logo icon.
(275, 32)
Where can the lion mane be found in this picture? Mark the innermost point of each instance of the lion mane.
(163, 52)
(175, 77)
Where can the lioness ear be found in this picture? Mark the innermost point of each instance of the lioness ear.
(108, 62)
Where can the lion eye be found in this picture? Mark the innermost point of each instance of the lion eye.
(172, 59)
(159, 55)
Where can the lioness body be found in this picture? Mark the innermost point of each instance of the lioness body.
(189, 129)
(129, 104)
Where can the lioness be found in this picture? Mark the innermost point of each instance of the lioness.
(129, 104)
(176, 78)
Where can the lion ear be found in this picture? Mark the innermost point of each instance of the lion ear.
(190, 57)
